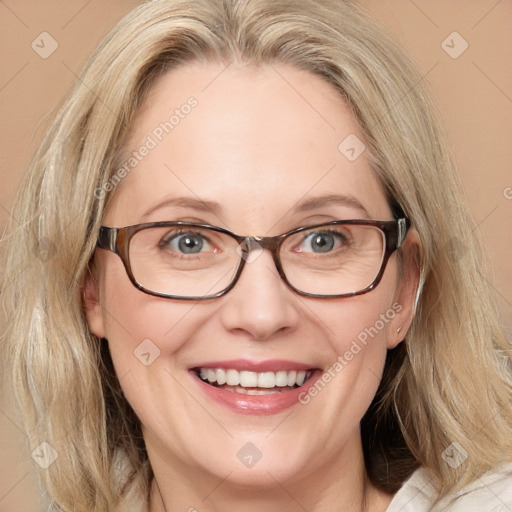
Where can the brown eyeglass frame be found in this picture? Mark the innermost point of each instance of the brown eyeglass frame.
(117, 240)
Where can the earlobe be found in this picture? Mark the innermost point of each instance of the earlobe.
(92, 306)
(395, 338)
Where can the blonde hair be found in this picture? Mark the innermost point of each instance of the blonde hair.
(449, 382)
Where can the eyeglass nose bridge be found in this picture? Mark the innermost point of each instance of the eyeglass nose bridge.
(253, 243)
(260, 243)
(249, 244)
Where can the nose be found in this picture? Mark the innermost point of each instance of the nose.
(260, 304)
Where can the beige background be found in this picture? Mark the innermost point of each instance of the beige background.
(474, 92)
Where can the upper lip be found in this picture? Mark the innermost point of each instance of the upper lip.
(269, 365)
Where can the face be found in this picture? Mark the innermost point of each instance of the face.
(258, 143)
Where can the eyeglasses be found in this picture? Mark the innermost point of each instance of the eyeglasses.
(189, 261)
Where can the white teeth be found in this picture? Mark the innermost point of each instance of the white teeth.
(221, 376)
(257, 391)
(246, 379)
(253, 391)
(266, 380)
(281, 379)
(232, 378)
(292, 376)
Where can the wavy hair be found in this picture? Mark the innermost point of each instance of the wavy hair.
(450, 381)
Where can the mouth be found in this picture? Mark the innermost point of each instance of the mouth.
(253, 383)
(257, 388)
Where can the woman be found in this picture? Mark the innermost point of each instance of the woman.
(246, 298)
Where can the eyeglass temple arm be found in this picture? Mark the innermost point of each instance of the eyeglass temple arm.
(107, 239)
(403, 227)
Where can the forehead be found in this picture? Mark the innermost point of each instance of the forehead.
(254, 140)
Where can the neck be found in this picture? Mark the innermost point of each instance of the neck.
(339, 484)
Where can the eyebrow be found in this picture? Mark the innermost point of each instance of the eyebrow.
(303, 206)
(328, 200)
(188, 202)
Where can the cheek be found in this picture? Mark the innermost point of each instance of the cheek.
(356, 331)
(141, 328)
(359, 344)
(146, 336)
(361, 323)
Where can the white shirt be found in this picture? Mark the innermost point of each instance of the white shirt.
(490, 493)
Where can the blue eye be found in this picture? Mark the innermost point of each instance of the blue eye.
(185, 243)
(322, 242)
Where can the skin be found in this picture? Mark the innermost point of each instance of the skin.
(259, 141)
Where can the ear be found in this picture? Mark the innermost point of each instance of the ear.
(92, 306)
(405, 295)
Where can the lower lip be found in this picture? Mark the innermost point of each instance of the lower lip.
(257, 404)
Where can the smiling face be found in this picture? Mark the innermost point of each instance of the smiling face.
(258, 155)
